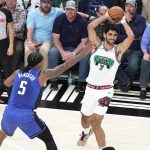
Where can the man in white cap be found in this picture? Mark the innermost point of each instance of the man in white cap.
(69, 34)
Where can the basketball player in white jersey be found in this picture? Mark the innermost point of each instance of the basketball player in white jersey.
(99, 91)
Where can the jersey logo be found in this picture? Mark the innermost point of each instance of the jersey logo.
(103, 61)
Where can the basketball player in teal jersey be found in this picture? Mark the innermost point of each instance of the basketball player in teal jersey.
(25, 96)
(104, 63)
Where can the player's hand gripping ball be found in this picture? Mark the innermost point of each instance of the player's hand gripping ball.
(116, 13)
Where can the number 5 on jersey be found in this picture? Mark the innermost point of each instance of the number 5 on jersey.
(22, 87)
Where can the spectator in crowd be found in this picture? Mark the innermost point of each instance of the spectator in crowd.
(100, 12)
(145, 65)
(133, 55)
(1, 73)
(69, 35)
(99, 29)
(146, 10)
(6, 41)
(121, 3)
(62, 3)
(39, 29)
(90, 6)
(19, 20)
(28, 4)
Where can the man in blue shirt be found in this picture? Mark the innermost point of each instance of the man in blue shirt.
(145, 64)
(133, 55)
(39, 29)
(69, 35)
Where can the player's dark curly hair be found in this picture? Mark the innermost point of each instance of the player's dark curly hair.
(109, 27)
(33, 59)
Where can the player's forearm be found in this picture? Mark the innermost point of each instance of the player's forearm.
(9, 81)
(66, 65)
(69, 63)
(93, 36)
(98, 21)
(79, 47)
(91, 29)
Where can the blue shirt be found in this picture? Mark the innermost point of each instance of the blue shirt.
(145, 42)
(41, 24)
(71, 33)
(26, 91)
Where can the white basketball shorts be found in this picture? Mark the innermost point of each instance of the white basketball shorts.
(90, 100)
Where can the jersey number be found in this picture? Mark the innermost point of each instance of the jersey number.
(22, 87)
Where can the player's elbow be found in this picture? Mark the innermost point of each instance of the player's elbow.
(90, 26)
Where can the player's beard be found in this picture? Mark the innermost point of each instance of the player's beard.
(110, 42)
(46, 9)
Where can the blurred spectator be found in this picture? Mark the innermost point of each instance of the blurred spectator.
(19, 20)
(99, 29)
(133, 55)
(28, 4)
(90, 6)
(100, 12)
(6, 42)
(39, 29)
(62, 3)
(146, 10)
(69, 35)
(145, 65)
(121, 3)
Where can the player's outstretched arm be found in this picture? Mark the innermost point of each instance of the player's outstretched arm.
(123, 46)
(91, 32)
(51, 73)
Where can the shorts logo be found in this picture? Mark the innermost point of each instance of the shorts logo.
(108, 62)
(105, 101)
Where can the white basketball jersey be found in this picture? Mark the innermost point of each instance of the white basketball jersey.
(103, 67)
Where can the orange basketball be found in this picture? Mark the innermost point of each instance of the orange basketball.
(116, 13)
